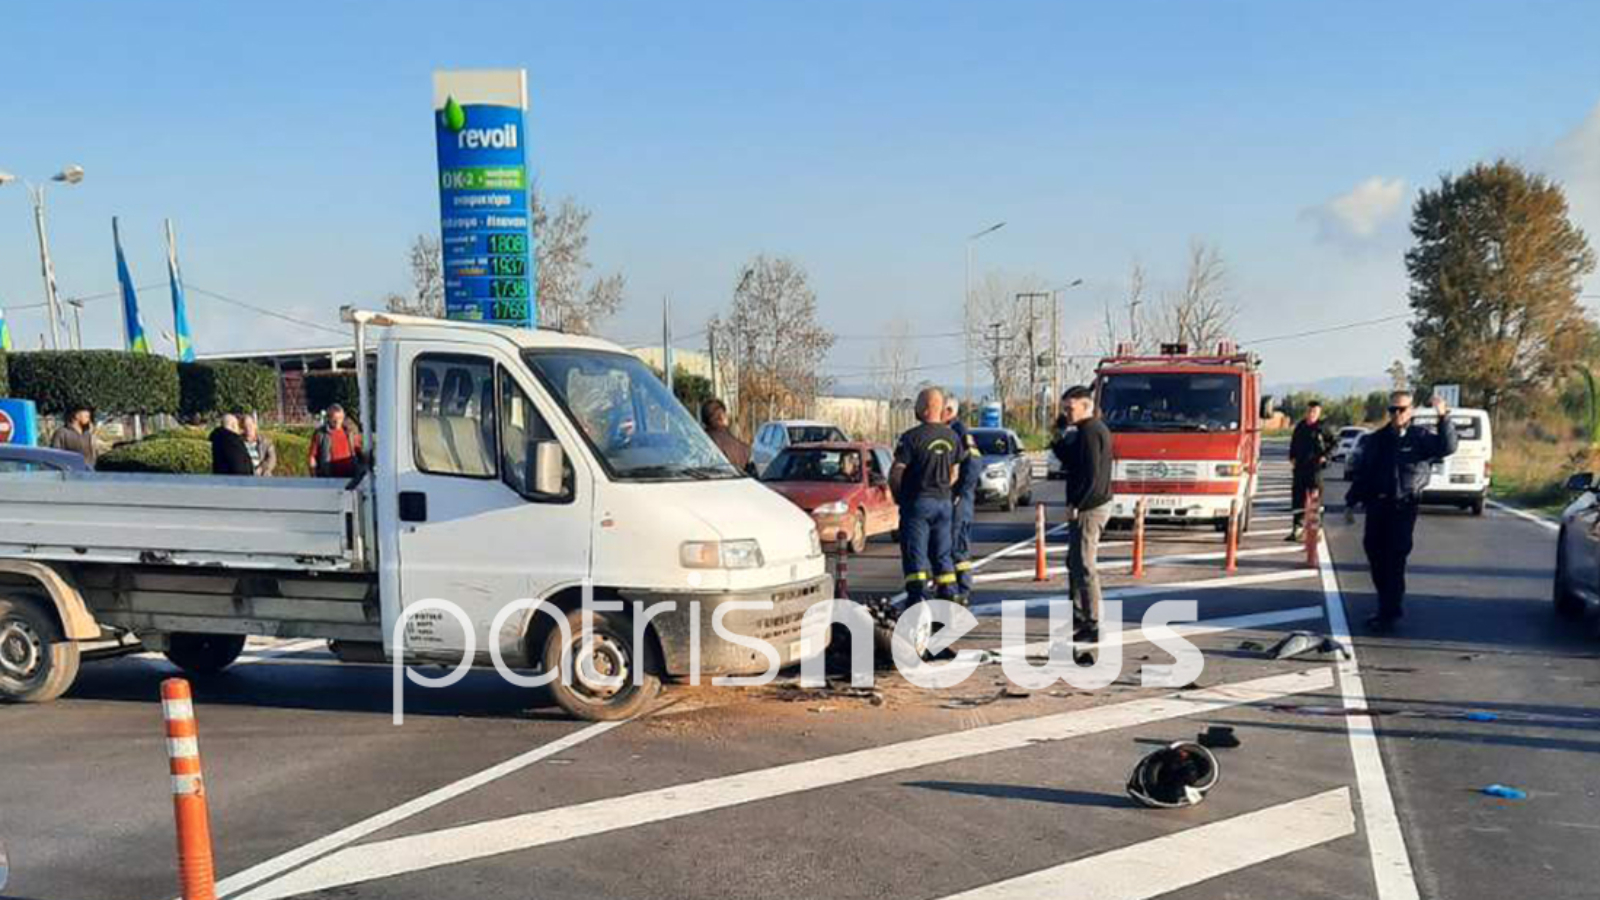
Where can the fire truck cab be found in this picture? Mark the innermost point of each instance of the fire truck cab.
(1185, 433)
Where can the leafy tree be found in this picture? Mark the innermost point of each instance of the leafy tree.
(774, 341)
(1495, 276)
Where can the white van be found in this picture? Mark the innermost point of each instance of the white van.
(1462, 478)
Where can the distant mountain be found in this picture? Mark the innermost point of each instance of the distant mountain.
(1332, 386)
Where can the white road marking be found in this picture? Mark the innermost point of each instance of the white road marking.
(464, 843)
(1391, 864)
(1526, 516)
(1146, 590)
(1176, 861)
(350, 834)
(1191, 629)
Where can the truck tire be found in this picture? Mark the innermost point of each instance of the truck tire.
(203, 654)
(1568, 605)
(583, 698)
(1478, 504)
(37, 663)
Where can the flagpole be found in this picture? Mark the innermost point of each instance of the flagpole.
(183, 344)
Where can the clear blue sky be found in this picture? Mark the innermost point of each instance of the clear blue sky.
(292, 144)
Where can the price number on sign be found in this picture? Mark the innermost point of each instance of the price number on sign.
(509, 266)
(511, 244)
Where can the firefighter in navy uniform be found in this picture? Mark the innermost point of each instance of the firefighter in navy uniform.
(965, 501)
(926, 465)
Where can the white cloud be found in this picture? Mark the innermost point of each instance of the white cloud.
(1356, 217)
(1574, 160)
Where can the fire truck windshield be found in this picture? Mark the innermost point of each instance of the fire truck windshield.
(1170, 401)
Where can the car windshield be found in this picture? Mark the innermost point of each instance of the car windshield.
(814, 434)
(639, 430)
(1170, 401)
(993, 443)
(815, 464)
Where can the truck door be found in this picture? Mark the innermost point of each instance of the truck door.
(470, 529)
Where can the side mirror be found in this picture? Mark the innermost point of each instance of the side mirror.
(1268, 407)
(547, 469)
(878, 481)
(1583, 481)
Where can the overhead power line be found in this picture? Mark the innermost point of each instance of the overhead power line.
(304, 323)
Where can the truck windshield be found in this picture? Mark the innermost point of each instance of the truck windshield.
(639, 430)
(1170, 401)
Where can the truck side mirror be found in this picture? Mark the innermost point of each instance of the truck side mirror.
(1583, 481)
(1268, 407)
(547, 469)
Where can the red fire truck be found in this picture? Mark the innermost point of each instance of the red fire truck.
(1185, 432)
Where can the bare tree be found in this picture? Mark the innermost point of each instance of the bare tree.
(1001, 330)
(894, 366)
(1202, 313)
(776, 342)
(561, 241)
(427, 281)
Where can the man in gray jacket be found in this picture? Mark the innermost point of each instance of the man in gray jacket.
(1394, 467)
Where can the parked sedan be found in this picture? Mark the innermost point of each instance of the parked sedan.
(1348, 436)
(1577, 579)
(844, 486)
(22, 458)
(1006, 476)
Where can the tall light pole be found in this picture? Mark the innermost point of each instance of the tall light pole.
(1055, 336)
(68, 175)
(967, 304)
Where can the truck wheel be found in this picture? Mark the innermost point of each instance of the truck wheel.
(858, 533)
(37, 663)
(1568, 604)
(1478, 504)
(203, 654)
(584, 695)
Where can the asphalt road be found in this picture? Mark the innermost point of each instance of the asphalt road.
(976, 791)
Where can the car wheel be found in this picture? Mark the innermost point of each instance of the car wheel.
(1478, 505)
(588, 693)
(1568, 604)
(37, 663)
(858, 534)
(1010, 503)
(203, 654)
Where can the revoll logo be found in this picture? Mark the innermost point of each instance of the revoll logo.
(453, 116)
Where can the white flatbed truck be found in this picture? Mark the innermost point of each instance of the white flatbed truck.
(506, 465)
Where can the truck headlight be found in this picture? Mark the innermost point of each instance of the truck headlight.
(816, 544)
(836, 508)
(1229, 470)
(742, 554)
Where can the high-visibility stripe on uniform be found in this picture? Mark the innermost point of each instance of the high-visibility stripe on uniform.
(946, 578)
(916, 576)
(964, 566)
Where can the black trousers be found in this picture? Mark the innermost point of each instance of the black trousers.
(1390, 525)
(1306, 478)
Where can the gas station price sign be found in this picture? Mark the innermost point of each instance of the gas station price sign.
(485, 222)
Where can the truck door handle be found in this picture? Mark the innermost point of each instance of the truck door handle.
(413, 506)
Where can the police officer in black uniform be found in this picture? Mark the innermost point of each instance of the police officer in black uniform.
(1395, 465)
(1308, 452)
(926, 464)
(966, 501)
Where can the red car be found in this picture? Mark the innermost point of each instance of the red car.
(844, 486)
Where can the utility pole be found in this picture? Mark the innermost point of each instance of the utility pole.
(966, 306)
(77, 323)
(994, 367)
(1033, 353)
(666, 341)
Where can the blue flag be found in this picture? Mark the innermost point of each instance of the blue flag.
(180, 312)
(130, 301)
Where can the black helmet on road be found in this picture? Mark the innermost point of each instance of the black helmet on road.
(1175, 776)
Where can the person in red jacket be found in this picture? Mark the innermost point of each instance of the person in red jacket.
(335, 446)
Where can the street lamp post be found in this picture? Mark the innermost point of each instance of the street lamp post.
(68, 175)
(967, 304)
(77, 322)
(1055, 336)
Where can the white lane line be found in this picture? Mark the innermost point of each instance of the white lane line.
(1391, 864)
(464, 843)
(1176, 861)
(1191, 629)
(1110, 564)
(350, 834)
(993, 608)
(1525, 515)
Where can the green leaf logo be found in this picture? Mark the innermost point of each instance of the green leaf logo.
(454, 117)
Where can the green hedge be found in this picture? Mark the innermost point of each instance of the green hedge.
(187, 451)
(110, 382)
(211, 388)
(5, 384)
(323, 389)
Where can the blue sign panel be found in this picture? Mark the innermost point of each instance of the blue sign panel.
(19, 422)
(484, 215)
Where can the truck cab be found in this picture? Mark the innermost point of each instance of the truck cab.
(1185, 433)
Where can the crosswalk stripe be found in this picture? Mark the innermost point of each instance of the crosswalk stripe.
(1176, 861)
(464, 843)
